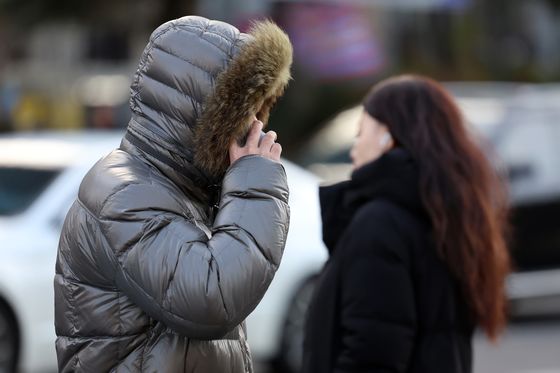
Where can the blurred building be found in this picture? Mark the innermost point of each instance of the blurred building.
(68, 65)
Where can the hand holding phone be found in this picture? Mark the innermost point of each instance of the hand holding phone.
(257, 142)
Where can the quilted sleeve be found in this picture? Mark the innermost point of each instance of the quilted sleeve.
(201, 287)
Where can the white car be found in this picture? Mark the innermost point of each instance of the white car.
(39, 179)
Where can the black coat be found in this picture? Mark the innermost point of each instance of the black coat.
(384, 302)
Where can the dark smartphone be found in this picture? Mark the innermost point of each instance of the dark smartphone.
(243, 140)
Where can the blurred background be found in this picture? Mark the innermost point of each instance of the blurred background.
(65, 72)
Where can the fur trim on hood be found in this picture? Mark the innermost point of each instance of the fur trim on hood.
(250, 86)
(198, 84)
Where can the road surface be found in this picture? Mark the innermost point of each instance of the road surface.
(526, 347)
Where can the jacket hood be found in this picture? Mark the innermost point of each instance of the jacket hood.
(197, 86)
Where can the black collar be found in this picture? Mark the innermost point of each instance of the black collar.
(393, 177)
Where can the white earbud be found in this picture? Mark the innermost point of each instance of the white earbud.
(385, 139)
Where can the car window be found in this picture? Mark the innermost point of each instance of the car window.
(528, 146)
(19, 187)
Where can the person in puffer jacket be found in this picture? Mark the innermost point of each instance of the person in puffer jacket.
(176, 235)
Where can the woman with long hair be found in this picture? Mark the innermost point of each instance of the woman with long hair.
(418, 254)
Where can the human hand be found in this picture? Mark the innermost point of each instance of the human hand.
(265, 146)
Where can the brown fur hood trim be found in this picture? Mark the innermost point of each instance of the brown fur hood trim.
(253, 81)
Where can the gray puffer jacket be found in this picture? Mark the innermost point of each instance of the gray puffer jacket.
(167, 248)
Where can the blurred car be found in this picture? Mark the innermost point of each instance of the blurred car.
(39, 179)
(519, 127)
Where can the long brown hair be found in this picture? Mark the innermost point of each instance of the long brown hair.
(464, 196)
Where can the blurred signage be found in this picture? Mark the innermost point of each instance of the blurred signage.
(332, 42)
(400, 4)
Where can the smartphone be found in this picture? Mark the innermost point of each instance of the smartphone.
(243, 140)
